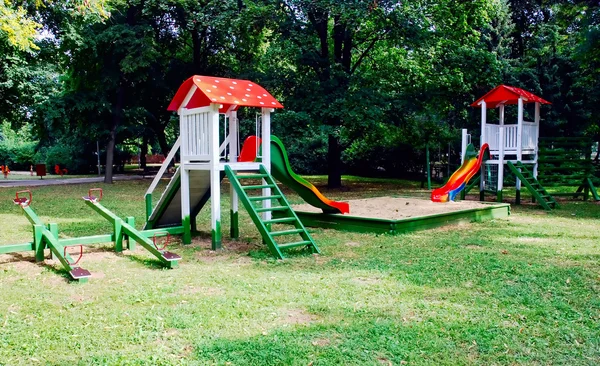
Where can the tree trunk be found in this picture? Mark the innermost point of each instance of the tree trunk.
(110, 154)
(143, 152)
(116, 121)
(334, 162)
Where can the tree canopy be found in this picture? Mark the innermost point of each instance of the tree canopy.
(367, 85)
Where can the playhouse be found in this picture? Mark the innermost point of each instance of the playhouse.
(209, 145)
(513, 144)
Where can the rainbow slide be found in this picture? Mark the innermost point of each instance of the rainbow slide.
(461, 177)
(282, 171)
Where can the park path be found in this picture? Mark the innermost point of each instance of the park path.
(48, 182)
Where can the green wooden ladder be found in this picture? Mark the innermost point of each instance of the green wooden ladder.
(537, 191)
(265, 226)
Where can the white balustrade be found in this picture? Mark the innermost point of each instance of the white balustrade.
(529, 136)
(195, 136)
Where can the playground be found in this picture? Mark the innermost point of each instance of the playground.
(381, 272)
(516, 290)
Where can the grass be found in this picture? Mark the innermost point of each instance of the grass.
(518, 291)
(19, 176)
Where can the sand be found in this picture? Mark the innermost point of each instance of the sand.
(393, 208)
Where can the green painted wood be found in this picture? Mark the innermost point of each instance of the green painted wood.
(31, 216)
(384, 226)
(148, 200)
(542, 197)
(87, 240)
(263, 198)
(122, 228)
(259, 186)
(593, 189)
(234, 228)
(251, 176)
(15, 248)
(38, 239)
(284, 208)
(173, 230)
(161, 209)
(130, 220)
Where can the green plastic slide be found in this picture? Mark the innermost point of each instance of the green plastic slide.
(282, 171)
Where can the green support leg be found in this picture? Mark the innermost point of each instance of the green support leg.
(38, 242)
(234, 228)
(148, 199)
(499, 196)
(187, 231)
(482, 195)
(216, 237)
(130, 220)
(118, 229)
(122, 228)
(53, 228)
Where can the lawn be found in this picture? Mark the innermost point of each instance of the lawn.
(519, 291)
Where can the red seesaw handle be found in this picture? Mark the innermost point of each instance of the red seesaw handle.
(97, 199)
(24, 202)
(78, 258)
(165, 244)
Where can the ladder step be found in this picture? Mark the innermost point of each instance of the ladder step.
(251, 176)
(259, 187)
(264, 198)
(294, 245)
(286, 232)
(280, 221)
(276, 208)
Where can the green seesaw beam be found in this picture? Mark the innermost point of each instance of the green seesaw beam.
(42, 238)
(123, 228)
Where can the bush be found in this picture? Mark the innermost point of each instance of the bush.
(17, 148)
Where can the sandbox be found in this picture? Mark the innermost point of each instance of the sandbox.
(401, 214)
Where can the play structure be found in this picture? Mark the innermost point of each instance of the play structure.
(209, 148)
(63, 249)
(458, 181)
(525, 154)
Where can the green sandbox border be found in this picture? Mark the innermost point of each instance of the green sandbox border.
(382, 226)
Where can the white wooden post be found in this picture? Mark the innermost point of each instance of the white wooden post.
(483, 141)
(501, 143)
(501, 160)
(266, 156)
(519, 137)
(537, 138)
(463, 146)
(233, 157)
(215, 177)
(185, 203)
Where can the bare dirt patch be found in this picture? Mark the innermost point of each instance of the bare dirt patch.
(531, 240)
(298, 316)
(474, 247)
(393, 208)
(206, 291)
(321, 342)
(366, 280)
(353, 244)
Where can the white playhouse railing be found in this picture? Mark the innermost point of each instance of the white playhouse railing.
(195, 129)
(529, 137)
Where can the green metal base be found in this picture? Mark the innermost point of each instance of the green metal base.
(216, 237)
(234, 229)
(374, 225)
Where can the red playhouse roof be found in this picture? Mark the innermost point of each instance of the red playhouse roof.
(225, 91)
(504, 94)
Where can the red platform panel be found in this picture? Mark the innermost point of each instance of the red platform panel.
(227, 92)
(507, 95)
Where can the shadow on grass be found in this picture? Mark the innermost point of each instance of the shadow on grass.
(390, 341)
